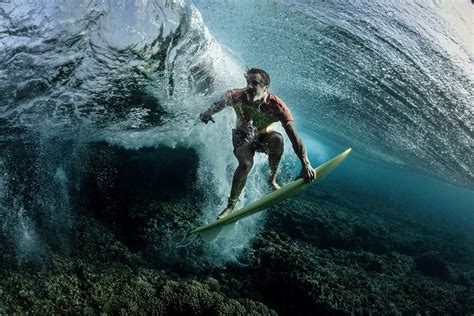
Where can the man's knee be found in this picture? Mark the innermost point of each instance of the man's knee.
(244, 155)
(274, 142)
(245, 165)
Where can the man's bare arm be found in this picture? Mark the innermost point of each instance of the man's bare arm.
(206, 116)
(307, 172)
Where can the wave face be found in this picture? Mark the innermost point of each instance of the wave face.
(391, 79)
(99, 63)
(133, 73)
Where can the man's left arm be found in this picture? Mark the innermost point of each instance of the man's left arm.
(307, 172)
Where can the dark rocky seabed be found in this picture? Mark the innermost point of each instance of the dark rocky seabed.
(322, 252)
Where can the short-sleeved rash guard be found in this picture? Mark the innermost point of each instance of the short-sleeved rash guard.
(261, 116)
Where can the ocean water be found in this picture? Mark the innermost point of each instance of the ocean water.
(393, 80)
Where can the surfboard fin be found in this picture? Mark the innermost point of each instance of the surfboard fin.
(211, 234)
(227, 228)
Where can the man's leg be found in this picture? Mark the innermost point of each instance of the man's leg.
(273, 143)
(244, 154)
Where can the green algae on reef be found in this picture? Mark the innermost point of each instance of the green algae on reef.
(102, 275)
(314, 254)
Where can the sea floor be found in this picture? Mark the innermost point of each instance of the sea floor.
(316, 253)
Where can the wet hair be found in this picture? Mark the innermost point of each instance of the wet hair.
(263, 73)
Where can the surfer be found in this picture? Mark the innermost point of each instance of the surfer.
(256, 110)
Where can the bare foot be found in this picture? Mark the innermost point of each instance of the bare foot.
(273, 185)
(227, 211)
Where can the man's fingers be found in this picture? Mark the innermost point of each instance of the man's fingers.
(206, 118)
(306, 176)
(309, 175)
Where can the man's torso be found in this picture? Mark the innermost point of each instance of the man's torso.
(259, 116)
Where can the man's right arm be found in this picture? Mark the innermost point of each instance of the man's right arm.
(206, 116)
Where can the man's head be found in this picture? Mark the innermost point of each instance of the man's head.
(258, 81)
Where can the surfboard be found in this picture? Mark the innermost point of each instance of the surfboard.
(223, 225)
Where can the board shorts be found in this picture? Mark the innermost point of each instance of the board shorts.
(244, 136)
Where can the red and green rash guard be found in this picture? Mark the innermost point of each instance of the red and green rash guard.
(259, 116)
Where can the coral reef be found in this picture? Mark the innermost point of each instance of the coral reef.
(128, 253)
(102, 275)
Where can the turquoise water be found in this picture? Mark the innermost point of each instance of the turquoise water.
(389, 80)
(371, 76)
(105, 167)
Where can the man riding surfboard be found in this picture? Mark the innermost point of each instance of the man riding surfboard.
(256, 111)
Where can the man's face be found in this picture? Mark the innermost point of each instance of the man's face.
(255, 87)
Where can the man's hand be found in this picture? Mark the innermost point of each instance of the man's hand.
(308, 173)
(206, 117)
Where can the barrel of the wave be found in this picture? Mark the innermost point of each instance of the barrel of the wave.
(221, 226)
